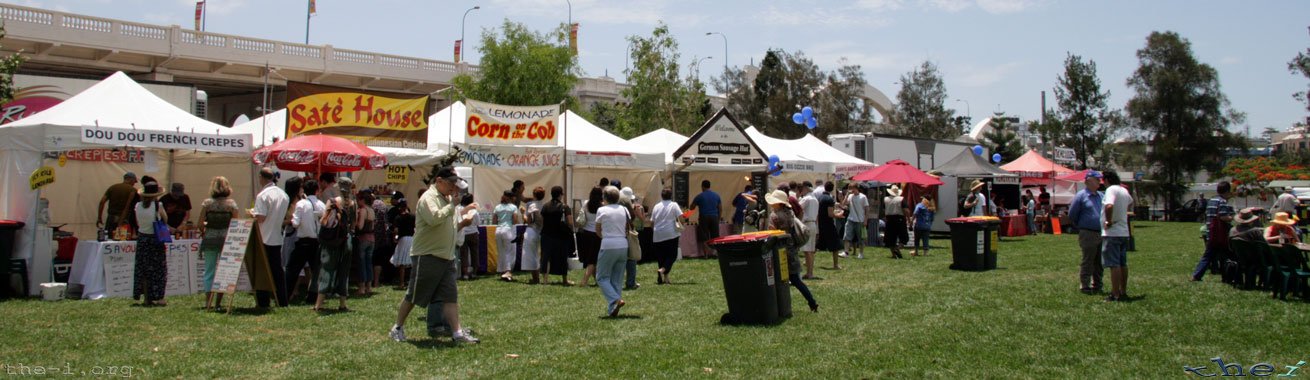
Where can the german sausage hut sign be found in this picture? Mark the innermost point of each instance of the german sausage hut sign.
(722, 143)
(374, 118)
(495, 124)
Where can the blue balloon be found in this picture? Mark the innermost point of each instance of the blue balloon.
(996, 157)
(773, 160)
(811, 123)
(807, 112)
(798, 118)
(978, 150)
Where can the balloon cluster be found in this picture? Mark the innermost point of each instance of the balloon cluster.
(805, 117)
(774, 169)
(978, 150)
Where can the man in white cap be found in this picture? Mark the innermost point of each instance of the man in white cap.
(435, 269)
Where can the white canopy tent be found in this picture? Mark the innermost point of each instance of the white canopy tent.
(808, 158)
(661, 139)
(118, 114)
(591, 153)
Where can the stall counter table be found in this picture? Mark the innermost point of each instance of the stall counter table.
(687, 242)
(105, 268)
(1014, 225)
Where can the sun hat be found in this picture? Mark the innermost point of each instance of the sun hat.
(894, 191)
(776, 197)
(1283, 219)
(976, 184)
(150, 187)
(1246, 216)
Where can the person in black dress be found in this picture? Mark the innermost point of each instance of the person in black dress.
(829, 237)
(556, 237)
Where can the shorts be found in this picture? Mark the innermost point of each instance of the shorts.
(707, 228)
(433, 282)
(852, 233)
(813, 228)
(1114, 251)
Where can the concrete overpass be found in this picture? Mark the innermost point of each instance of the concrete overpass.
(231, 69)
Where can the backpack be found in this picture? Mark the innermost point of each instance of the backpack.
(335, 236)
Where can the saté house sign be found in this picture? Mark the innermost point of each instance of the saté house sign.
(373, 118)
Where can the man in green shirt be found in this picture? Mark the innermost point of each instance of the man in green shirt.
(120, 197)
(438, 218)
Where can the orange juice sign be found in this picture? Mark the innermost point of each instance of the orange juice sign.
(495, 124)
(377, 118)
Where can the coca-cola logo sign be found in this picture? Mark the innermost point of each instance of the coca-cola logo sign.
(295, 156)
(377, 161)
(261, 157)
(344, 160)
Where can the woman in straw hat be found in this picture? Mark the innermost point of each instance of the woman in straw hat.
(151, 270)
(894, 213)
(782, 218)
(1281, 230)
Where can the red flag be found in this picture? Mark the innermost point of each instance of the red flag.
(200, 12)
(458, 45)
(313, 7)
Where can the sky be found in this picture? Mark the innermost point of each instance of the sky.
(997, 55)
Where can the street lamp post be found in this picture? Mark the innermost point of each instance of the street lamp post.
(461, 31)
(570, 12)
(697, 67)
(725, 48)
(968, 109)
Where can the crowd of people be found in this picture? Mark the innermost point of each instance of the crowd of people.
(319, 233)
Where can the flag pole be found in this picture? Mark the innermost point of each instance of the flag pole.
(309, 8)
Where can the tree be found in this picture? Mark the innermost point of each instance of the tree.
(784, 84)
(1082, 109)
(1178, 102)
(921, 106)
(657, 96)
(1301, 65)
(8, 66)
(521, 68)
(1002, 139)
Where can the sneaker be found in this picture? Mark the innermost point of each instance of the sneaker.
(397, 333)
(860, 256)
(841, 254)
(464, 336)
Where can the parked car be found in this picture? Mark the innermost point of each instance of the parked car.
(1193, 210)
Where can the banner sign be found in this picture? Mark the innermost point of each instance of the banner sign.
(510, 157)
(239, 143)
(458, 44)
(133, 156)
(397, 174)
(573, 38)
(373, 118)
(42, 176)
(850, 170)
(494, 124)
(616, 159)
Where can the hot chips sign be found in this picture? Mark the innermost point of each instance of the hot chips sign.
(495, 124)
(371, 117)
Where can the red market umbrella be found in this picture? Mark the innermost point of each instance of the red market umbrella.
(320, 153)
(897, 171)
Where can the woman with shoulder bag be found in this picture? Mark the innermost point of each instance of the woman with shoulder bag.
(334, 270)
(588, 239)
(215, 217)
(612, 224)
(781, 218)
(151, 271)
(365, 241)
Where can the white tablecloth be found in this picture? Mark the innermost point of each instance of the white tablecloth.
(105, 268)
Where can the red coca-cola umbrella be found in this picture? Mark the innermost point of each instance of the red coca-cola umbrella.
(897, 171)
(320, 153)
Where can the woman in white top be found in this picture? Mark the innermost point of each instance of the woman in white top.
(507, 216)
(612, 224)
(531, 260)
(151, 271)
(664, 233)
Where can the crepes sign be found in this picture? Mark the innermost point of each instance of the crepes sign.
(237, 143)
(495, 124)
(373, 118)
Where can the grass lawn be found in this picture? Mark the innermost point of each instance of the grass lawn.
(880, 318)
